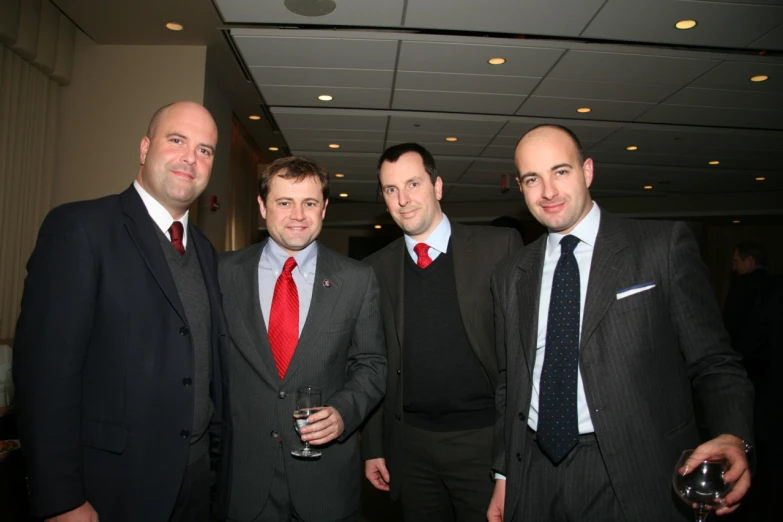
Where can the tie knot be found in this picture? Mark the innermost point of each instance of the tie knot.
(568, 244)
(175, 231)
(421, 249)
(289, 265)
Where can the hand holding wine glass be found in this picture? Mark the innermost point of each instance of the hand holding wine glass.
(702, 486)
(308, 402)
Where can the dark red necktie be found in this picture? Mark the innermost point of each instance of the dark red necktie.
(176, 232)
(284, 318)
(422, 251)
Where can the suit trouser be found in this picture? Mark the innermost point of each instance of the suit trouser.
(445, 476)
(193, 499)
(279, 507)
(576, 490)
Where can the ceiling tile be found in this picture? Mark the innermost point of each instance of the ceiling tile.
(474, 83)
(586, 132)
(630, 68)
(440, 139)
(720, 99)
(343, 97)
(345, 145)
(382, 13)
(566, 108)
(456, 102)
(302, 118)
(472, 58)
(444, 125)
(736, 75)
(633, 92)
(309, 76)
(689, 115)
(773, 40)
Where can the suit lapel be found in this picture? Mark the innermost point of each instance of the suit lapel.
(528, 292)
(141, 229)
(605, 269)
(257, 351)
(327, 287)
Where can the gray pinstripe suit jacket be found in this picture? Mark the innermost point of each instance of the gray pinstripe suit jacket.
(641, 359)
(340, 350)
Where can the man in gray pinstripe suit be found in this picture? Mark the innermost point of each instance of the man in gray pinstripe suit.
(594, 412)
(339, 349)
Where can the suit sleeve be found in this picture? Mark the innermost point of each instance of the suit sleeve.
(499, 432)
(366, 370)
(52, 338)
(713, 366)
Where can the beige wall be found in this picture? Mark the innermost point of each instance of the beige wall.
(105, 110)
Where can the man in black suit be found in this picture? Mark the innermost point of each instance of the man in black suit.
(120, 342)
(300, 315)
(431, 442)
(605, 327)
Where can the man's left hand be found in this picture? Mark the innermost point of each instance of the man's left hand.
(324, 426)
(732, 449)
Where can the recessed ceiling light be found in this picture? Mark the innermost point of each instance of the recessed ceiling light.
(648, 187)
(343, 195)
(310, 7)
(174, 26)
(584, 110)
(339, 175)
(451, 138)
(759, 78)
(334, 145)
(325, 97)
(736, 221)
(254, 117)
(496, 61)
(632, 147)
(685, 24)
(274, 149)
(760, 178)
(714, 162)
(377, 226)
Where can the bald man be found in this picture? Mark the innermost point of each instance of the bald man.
(120, 342)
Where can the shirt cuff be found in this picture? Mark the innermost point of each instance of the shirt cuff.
(500, 476)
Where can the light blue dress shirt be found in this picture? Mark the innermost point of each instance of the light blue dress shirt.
(438, 240)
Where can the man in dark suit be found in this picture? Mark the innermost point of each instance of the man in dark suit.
(119, 344)
(605, 327)
(300, 315)
(431, 442)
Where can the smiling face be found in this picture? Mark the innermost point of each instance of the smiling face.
(294, 211)
(553, 180)
(411, 196)
(176, 159)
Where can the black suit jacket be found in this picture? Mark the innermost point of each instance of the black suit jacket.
(476, 251)
(102, 348)
(641, 358)
(340, 351)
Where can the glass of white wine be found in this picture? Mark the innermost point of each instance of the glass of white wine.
(703, 487)
(309, 400)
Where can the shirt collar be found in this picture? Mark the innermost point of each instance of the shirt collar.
(586, 230)
(159, 214)
(438, 238)
(305, 258)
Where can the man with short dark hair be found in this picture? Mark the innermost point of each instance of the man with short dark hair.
(606, 327)
(430, 443)
(120, 343)
(300, 315)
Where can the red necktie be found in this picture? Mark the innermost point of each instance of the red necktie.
(284, 318)
(176, 233)
(422, 251)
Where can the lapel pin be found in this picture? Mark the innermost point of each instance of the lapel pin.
(327, 283)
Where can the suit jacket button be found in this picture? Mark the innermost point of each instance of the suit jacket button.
(187, 381)
(184, 434)
(519, 457)
(183, 330)
(274, 434)
(399, 372)
(521, 416)
(397, 416)
(281, 395)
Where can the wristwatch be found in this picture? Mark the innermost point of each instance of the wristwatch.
(748, 446)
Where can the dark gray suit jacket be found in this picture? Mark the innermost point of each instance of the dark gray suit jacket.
(641, 359)
(340, 350)
(476, 251)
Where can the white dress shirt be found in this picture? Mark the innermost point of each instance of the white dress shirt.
(438, 240)
(160, 215)
(270, 266)
(586, 231)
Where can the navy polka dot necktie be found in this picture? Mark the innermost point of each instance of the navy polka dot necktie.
(558, 424)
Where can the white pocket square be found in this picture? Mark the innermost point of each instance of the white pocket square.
(631, 290)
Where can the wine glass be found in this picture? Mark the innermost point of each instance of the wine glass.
(703, 487)
(308, 402)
